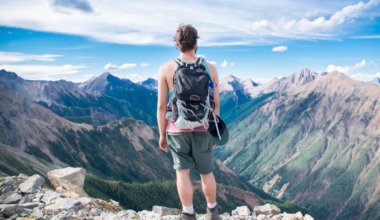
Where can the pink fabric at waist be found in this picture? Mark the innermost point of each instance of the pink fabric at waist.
(170, 127)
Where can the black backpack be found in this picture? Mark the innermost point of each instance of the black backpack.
(192, 100)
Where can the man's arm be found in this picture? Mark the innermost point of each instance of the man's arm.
(215, 79)
(161, 106)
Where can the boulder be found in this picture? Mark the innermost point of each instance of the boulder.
(37, 213)
(86, 200)
(276, 217)
(11, 183)
(64, 204)
(241, 210)
(267, 209)
(163, 211)
(127, 214)
(10, 198)
(94, 212)
(15, 210)
(148, 215)
(31, 205)
(27, 198)
(292, 216)
(68, 180)
(32, 184)
(262, 217)
(174, 217)
(308, 217)
(49, 197)
(298, 216)
(37, 197)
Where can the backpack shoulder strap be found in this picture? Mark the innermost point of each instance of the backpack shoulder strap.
(205, 64)
(179, 62)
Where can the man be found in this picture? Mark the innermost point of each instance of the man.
(189, 147)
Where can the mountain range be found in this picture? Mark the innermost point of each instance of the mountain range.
(34, 138)
(310, 138)
(98, 101)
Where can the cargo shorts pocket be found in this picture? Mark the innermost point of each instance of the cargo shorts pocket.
(201, 142)
(179, 142)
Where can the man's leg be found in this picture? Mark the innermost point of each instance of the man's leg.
(209, 188)
(185, 190)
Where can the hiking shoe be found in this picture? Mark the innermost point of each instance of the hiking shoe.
(187, 216)
(213, 214)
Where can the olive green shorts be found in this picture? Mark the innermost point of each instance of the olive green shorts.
(191, 149)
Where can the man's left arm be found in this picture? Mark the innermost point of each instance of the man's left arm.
(215, 79)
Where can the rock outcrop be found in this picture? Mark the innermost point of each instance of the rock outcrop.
(23, 197)
(68, 181)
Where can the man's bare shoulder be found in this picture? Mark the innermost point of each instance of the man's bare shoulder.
(213, 70)
(167, 67)
(211, 65)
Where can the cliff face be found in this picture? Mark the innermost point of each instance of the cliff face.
(315, 142)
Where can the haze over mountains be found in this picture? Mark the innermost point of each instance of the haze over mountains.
(312, 138)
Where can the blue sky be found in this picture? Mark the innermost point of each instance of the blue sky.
(78, 39)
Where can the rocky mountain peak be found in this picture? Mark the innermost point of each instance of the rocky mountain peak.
(302, 77)
(231, 83)
(8, 75)
(99, 83)
(149, 83)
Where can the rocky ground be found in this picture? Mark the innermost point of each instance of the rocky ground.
(28, 197)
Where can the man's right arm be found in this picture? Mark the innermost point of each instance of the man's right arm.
(161, 106)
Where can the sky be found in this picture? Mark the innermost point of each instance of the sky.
(79, 39)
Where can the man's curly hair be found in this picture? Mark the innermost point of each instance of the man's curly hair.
(186, 37)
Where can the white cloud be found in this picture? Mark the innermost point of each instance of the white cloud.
(349, 69)
(67, 5)
(354, 71)
(342, 69)
(40, 71)
(361, 64)
(132, 22)
(16, 57)
(280, 49)
(15, 62)
(367, 37)
(226, 64)
(259, 25)
(125, 66)
(365, 77)
(110, 66)
(144, 64)
(339, 17)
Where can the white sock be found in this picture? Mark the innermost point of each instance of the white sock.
(211, 205)
(188, 209)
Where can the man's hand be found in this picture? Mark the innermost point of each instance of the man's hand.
(163, 144)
